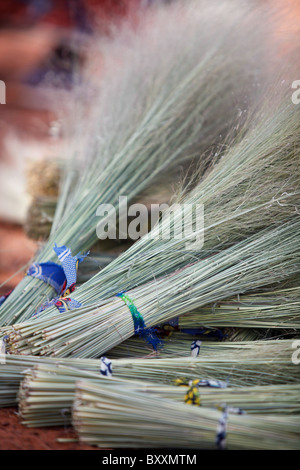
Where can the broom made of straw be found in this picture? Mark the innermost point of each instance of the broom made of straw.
(264, 258)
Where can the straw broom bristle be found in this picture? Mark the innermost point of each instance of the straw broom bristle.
(254, 185)
(272, 309)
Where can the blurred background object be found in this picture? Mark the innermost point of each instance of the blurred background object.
(42, 45)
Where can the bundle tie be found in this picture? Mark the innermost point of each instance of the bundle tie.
(222, 424)
(70, 265)
(192, 396)
(106, 367)
(3, 345)
(4, 297)
(62, 278)
(139, 325)
(66, 303)
(208, 332)
(50, 273)
(212, 383)
(167, 329)
(201, 383)
(222, 430)
(195, 348)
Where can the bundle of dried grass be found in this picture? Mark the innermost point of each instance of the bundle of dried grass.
(88, 332)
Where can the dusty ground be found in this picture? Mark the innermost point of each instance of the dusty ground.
(15, 436)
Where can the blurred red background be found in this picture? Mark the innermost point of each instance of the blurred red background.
(37, 41)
